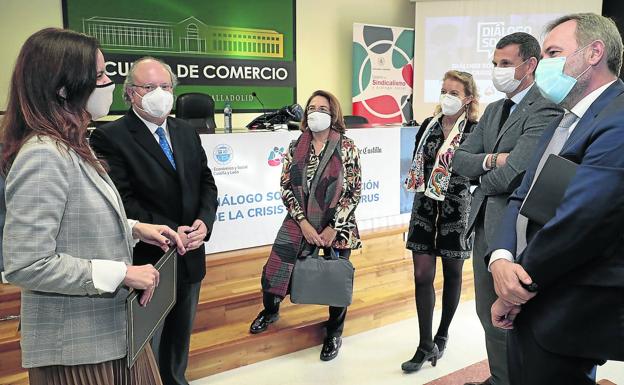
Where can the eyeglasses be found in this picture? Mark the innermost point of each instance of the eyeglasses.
(312, 109)
(152, 87)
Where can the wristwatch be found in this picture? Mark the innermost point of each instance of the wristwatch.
(493, 160)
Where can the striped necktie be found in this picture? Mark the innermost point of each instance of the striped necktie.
(164, 145)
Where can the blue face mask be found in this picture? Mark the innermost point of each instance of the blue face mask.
(553, 84)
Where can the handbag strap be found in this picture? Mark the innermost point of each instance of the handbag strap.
(311, 251)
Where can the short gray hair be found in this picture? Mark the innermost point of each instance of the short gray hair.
(591, 27)
(129, 82)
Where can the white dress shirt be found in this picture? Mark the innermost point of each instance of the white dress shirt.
(153, 127)
(579, 110)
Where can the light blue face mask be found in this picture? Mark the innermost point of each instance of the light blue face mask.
(553, 84)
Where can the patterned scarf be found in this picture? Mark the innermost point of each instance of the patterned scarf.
(318, 202)
(441, 174)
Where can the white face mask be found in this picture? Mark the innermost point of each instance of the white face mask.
(157, 103)
(450, 104)
(318, 121)
(504, 78)
(100, 100)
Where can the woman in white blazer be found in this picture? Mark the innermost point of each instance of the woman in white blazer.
(67, 242)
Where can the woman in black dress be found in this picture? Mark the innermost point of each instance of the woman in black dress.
(438, 224)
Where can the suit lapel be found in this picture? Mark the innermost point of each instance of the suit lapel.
(100, 183)
(145, 139)
(592, 112)
(177, 146)
(121, 211)
(518, 112)
(492, 133)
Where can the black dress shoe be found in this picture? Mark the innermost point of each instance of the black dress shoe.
(441, 344)
(262, 321)
(330, 349)
(486, 382)
(420, 358)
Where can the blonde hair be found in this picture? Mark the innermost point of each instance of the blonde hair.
(470, 89)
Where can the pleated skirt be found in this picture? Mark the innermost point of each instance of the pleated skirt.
(144, 372)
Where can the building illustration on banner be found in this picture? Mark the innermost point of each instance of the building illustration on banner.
(189, 36)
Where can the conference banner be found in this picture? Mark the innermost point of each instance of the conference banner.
(379, 161)
(247, 169)
(225, 48)
(382, 73)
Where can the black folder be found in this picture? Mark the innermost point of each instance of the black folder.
(144, 320)
(547, 192)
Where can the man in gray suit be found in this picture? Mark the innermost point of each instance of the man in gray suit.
(496, 154)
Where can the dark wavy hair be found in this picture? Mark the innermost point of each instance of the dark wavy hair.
(54, 76)
(337, 120)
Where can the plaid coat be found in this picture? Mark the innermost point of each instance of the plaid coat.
(59, 216)
(329, 200)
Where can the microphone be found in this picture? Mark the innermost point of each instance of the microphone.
(264, 115)
(255, 95)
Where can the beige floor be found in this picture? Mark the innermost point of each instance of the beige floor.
(374, 357)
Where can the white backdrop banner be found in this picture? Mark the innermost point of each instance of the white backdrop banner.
(247, 170)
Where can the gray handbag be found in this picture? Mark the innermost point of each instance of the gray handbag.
(322, 280)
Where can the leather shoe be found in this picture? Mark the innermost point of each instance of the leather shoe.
(330, 349)
(262, 322)
(486, 382)
(420, 358)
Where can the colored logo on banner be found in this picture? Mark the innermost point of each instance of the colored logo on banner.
(276, 156)
(382, 73)
(223, 154)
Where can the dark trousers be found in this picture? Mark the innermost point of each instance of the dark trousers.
(172, 341)
(495, 338)
(337, 315)
(530, 364)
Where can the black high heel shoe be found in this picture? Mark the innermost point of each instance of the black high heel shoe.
(418, 360)
(441, 344)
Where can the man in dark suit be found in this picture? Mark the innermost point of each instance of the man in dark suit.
(561, 285)
(160, 169)
(496, 154)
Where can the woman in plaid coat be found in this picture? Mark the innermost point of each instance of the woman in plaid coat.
(321, 185)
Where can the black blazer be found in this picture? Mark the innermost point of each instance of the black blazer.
(152, 190)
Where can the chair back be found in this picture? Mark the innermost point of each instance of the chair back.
(198, 110)
(354, 120)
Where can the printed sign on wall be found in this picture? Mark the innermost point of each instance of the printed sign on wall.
(247, 169)
(226, 48)
(382, 73)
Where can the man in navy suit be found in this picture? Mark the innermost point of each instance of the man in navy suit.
(561, 285)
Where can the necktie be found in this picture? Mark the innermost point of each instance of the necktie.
(164, 145)
(554, 147)
(507, 104)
